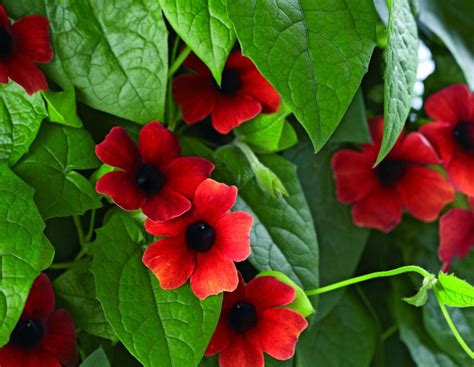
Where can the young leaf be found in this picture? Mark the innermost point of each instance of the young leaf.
(206, 29)
(400, 73)
(314, 54)
(283, 235)
(96, 359)
(114, 53)
(421, 297)
(75, 291)
(345, 337)
(20, 120)
(50, 167)
(62, 107)
(160, 328)
(22, 245)
(454, 292)
(268, 133)
(452, 22)
(301, 304)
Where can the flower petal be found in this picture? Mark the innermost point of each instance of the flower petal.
(122, 189)
(231, 298)
(233, 235)
(416, 148)
(22, 71)
(380, 209)
(3, 73)
(194, 63)
(213, 199)
(11, 356)
(214, 274)
(257, 87)
(60, 338)
(221, 337)
(440, 135)
(196, 96)
(185, 174)
(242, 352)
(171, 261)
(172, 227)
(40, 302)
(354, 175)
(424, 192)
(278, 331)
(450, 105)
(166, 205)
(461, 172)
(230, 112)
(118, 150)
(267, 292)
(32, 38)
(158, 146)
(456, 232)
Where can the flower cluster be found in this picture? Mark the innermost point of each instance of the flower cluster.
(199, 240)
(405, 179)
(43, 337)
(21, 45)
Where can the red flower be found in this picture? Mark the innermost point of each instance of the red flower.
(42, 337)
(252, 322)
(402, 180)
(243, 93)
(456, 232)
(153, 177)
(452, 133)
(21, 45)
(202, 244)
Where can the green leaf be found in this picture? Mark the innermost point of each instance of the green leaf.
(47, 253)
(268, 133)
(301, 304)
(353, 127)
(340, 242)
(160, 328)
(62, 107)
(115, 54)
(232, 166)
(421, 297)
(96, 359)
(22, 243)
(345, 337)
(400, 73)
(75, 291)
(283, 235)
(454, 292)
(20, 120)
(452, 22)
(314, 53)
(50, 167)
(206, 29)
(422, 348)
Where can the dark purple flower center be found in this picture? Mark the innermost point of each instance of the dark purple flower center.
(390, 171)
(27, 334)
(230, 82)
(242, 317)
(200, 236)
(149, 179)
(6, 42)
(464, 135)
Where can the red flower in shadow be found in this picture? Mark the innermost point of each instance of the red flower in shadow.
(252, 321)
(21, 45)
(456, 232)
(452, 133)
(401, 180)
(42, 337)
(243, 93)
(202, 244)
(152, 177)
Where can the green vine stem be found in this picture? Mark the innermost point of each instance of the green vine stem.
(363, 278)
(455, 331)
(178, 61)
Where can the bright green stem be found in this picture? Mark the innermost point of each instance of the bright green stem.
(248, 153)
(79, 229)
(62, 266)
(178, 61)
(363, 278)
(455, 331)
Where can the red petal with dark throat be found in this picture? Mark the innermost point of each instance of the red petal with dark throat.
(450, 104)
(122, 189)
(32, 38)
(158, 146)
(230, 112)
(118, 150)
(267, 292)
(40, 302)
